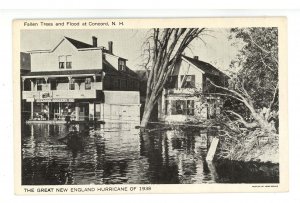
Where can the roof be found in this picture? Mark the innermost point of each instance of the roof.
(79, 44)
(205, 67)
(65, 72)
(109, 69)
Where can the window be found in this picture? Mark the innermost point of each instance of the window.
(88, 83)
(122, 65)
(65, 62)
(61, 60)
(98, 111)
(187, 81)
(190, 107)
(182, 107)
(72, 84)
(167, 103)
(68, 62)
(172, 82)
(82, 110)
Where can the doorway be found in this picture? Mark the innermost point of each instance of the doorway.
(84, 111)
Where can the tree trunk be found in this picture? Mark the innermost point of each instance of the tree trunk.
(263, 123)
(147, 112)
(165, 49)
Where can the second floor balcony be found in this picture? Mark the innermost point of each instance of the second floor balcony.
(53, 85)
(58, 95)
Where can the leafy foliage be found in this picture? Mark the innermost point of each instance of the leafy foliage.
(258, 62)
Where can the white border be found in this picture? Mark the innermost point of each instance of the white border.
(148, 23)
(6, 143)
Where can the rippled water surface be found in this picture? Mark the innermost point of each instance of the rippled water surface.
(119, 153)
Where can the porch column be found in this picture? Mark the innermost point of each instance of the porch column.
(31, 111)
(77, 110)
(23, 81)
(47, 85)
(48, 116)
(102, 111)
(92, 111)
(59, 110)
(32, 85)
(94, 82)
(69, 78)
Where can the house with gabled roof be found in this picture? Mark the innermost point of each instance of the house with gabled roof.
(80, 81)
(188, 95)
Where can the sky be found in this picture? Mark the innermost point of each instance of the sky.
(215, 47)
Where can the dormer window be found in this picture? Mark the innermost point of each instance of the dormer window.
(122, 65)
(65, 62)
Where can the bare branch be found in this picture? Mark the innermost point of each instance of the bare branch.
(242, 120)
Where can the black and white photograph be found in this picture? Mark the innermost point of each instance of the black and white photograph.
(151, 106)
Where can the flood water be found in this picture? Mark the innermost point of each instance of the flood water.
(120, 154)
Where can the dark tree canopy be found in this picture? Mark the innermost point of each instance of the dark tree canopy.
(258, 60)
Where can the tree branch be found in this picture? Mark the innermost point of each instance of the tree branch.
(242, 120)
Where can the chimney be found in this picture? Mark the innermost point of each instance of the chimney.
(95, 43)
(196, 57)
(110, 47)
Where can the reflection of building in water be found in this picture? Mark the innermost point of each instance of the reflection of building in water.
(118, 154)
(187, 151)
(162, 168)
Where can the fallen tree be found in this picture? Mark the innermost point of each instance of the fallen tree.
(250, 122)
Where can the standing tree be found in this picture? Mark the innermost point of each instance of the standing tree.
(164, 49)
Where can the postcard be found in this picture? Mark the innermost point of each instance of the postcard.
(165, 105)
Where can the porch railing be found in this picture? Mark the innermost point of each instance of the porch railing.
(59, 94)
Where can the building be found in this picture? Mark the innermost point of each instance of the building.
(80, 81)
(187, 95)
(25, 64)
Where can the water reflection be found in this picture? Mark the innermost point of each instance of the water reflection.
(119, 153)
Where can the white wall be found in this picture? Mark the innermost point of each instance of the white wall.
(91, 59)
(117, 113)
(121, 106)
(113, 60)
(122, 97)
(185, 68)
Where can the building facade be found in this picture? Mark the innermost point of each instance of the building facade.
(82, 82)
(188, 95)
